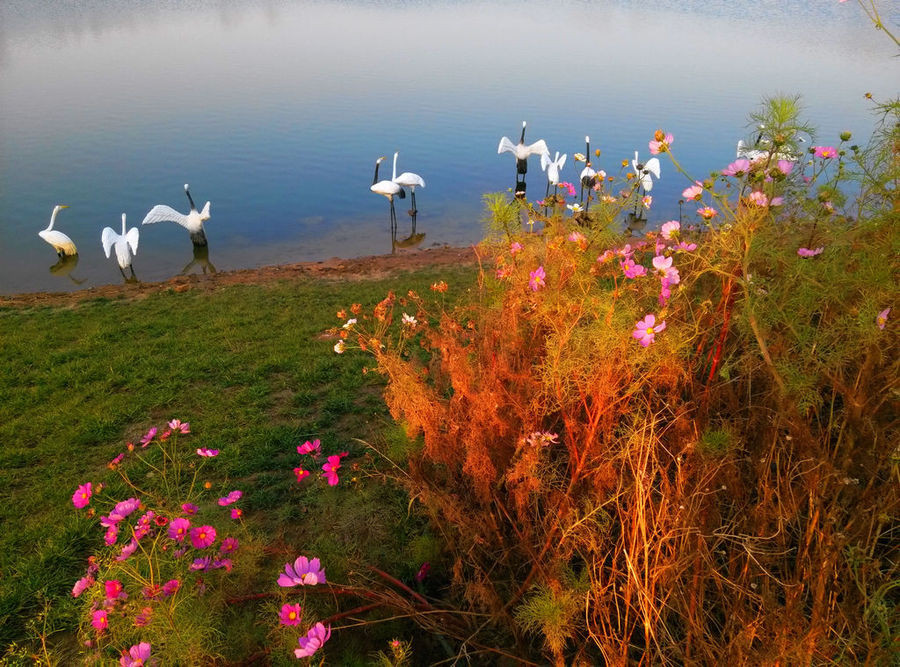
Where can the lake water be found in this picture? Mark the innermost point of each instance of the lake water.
(276, 111)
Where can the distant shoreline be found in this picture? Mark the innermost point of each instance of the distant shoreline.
(371, 267)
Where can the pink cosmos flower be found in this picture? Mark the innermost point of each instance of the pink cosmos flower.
(114, 590)
(203, 536)
(331, 467)
(661, 146)
(645, 330)
(423, 572)
(123, 509)
(758, 198)
(881, 319)
(737, 168)
(127, 550)
(568, 187)
(301, 474)
(178, 529)
(177, 425)
(303, 572)
(694, 192)
(219, 563)
(670, 229)
(236, 513)
(291, 614)
(99, 620)
(504, 272)
(86, 582)
(707, 213)
(662, 264)
(632, 270)
(313, 448)
(683, 245)
(824, 152)
(232, 497)
(143, 619)
(171, 587)
(579, 238)
(536, 280)
(606, 256)
(515, 248)
(647, 201)
(229, 545)
(137, 656)
(112, 534)
(785, 166)
(82, 496)
(806, 252)
(148, 437)
(189, 508)
(205, 451)
(116, 461)
(200, 564)
(313, 641)
(776, 201)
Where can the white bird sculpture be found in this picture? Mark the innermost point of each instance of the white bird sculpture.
(410, 180)
(643, 170)
(588, 176)
(388, 189)
(521, 151)
(552, 168)
(193, 221)
(126, 245)
(61, 243)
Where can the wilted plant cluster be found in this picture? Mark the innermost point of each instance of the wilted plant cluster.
(669, 447)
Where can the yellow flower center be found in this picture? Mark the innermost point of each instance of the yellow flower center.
(649, 331)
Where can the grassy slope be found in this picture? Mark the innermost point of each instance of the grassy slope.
(246, 365)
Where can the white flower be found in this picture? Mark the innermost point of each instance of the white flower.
(349, 323)
(409, 320)
(575, 208)
(339, 347)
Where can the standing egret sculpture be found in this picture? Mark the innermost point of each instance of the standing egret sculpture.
(409, 180)
(552, 168)
(61, 243)
(193, 221)
(588, 176)
(388, 189)
(126, 245)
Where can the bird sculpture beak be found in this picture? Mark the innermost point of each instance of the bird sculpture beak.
(64, 206)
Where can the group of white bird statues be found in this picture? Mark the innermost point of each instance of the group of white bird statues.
(126, 243)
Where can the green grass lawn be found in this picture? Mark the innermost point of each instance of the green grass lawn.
(249, 368)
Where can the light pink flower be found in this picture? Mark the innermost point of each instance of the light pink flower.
(684, 245)
(291, 614)
(536, 280)
(737, 168)
(758, 198)
(137, 656)
(662, 264)
(205, 451)
(785, 166)
(304, 572)
(707, 213)
(86, 582)
(670, 229)
(181, 427)
(824, 152)
(313, 641)
(647, 201)
(82, 496)
(232, 497)
(127, 550)
(631, 269)
(695, 192)
(148, 436)
(645, 330)
(515, 248)
(881, 319)
(660, 146)
(806, 252)
(504, 272)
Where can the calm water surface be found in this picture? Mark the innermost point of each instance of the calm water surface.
(276, 111)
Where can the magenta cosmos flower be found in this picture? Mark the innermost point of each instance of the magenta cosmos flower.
(313, 641)
(178, 529)
(82, 496)
(232, 497)
(881, 319)
(536, 280)
(148, 436)
(331, 468)
(99, 620)
(303, 572)
(824, 151)
(137, 656)
(646, 329)
(209, 453)
(291, 614)
(82, 585)
(632, 270)
(189, 508)
(203, 536)
(301, 474)
(313, 448)
(181, 427)
(806, 252)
